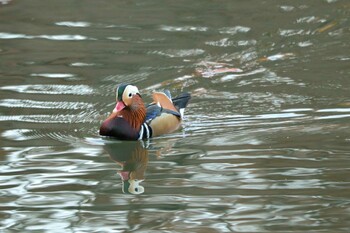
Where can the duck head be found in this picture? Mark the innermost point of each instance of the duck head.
(127, 95)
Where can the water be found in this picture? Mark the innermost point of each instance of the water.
(265, 145)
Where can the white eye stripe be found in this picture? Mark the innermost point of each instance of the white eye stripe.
(132, 89)
(127, 94)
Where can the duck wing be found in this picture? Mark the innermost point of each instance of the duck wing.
(177, 105)
(154, 111)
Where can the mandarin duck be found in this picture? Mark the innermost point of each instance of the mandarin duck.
(132, 120)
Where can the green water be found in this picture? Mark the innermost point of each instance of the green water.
(265, 144)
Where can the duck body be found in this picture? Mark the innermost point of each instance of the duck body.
(132, 120)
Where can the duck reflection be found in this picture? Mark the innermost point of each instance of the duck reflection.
(133, 157)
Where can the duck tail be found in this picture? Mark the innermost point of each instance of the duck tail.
(181, 101)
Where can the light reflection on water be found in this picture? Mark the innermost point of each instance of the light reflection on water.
(265, 142)
(8, 36)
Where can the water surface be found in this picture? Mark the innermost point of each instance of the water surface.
(265, 145)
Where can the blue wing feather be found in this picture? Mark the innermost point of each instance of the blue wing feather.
(152, 112)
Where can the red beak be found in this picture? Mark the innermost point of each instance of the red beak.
(119, 106)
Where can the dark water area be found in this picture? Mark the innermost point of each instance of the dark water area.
(265, 143)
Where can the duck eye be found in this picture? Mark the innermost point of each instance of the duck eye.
(130, 94)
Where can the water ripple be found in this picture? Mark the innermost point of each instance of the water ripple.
(294, 32)
(234, 30)
(334, 110)
(179, 52)
(82, 64)
(53, 75)
(265, 142)
(227, 42)
(20, 134)
(183, 28)
(73, 24)
(16, 103)
(88, 117)
(7, 36)
(54, 89)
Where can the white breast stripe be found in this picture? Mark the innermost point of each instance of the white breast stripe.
(147, 130)
(141, 133)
